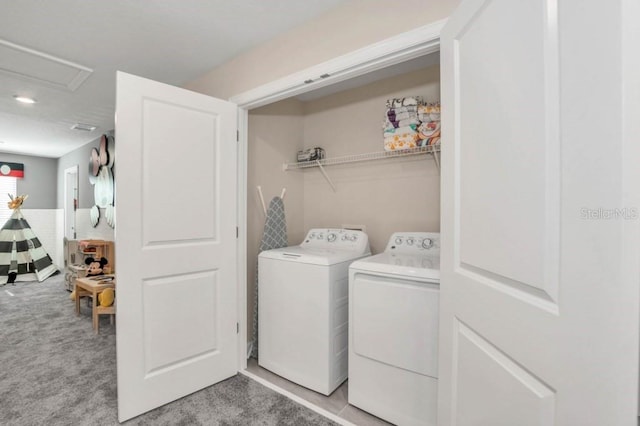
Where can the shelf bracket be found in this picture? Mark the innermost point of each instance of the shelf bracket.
(326, 176)
(264, 207)
(436, 159)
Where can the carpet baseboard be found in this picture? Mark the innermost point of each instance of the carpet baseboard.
(297, 399)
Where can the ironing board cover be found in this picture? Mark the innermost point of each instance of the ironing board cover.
(273, 237)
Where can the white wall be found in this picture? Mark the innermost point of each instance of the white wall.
(386, 196)
(275, 134)
(86, 231)
(349, 27)
(401, 194)
(46, 224)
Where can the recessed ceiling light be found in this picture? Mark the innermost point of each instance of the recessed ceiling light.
(24, 99)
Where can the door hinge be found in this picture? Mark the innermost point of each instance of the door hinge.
(237, 232)
(237, 328)
(237, 135)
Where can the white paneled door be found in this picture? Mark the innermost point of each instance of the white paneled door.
(539, 292)
(175, 243)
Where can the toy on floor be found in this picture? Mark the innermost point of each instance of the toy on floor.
(95, 267)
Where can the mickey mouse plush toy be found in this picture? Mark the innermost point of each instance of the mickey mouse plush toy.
(95, 266)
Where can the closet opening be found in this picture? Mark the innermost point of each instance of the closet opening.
(380, 196)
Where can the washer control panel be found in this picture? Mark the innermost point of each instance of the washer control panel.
(336, 238)
(414, 242)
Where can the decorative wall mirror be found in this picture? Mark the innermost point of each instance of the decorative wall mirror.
(100, 175)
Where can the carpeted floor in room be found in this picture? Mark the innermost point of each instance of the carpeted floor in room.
(55, 371)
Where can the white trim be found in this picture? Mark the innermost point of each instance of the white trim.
(630, 151)
(69, 171)
(242, 146)
(403, 47)
(297, 399)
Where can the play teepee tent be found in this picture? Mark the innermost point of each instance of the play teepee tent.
(22, 257)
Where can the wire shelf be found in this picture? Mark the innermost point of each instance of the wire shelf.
(380, 155)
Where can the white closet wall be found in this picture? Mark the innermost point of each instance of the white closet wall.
(275, 134)
(401, 194)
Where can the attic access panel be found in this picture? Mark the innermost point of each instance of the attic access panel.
(28, 64)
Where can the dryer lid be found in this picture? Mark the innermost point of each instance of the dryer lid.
(425, 267)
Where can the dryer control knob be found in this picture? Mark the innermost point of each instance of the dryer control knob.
(321, 236)
(344, 237)
(427, 243)
(398, 240)
(410, 241)
(353, 237)
(331, 237)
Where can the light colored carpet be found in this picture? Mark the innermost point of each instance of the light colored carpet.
(55, 371)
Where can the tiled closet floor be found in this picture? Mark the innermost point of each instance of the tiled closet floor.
(336, 403)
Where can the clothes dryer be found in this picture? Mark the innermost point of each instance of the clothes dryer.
(393, 330)
(303, 307)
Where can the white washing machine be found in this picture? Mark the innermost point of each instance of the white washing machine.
(303, 307)
(393, 330)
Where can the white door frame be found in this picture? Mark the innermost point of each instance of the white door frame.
(74, 170)
(394, 50)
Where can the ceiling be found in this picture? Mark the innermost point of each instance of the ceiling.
(65, 53)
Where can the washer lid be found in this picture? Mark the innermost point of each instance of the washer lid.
(412, 266)
(315, 256)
